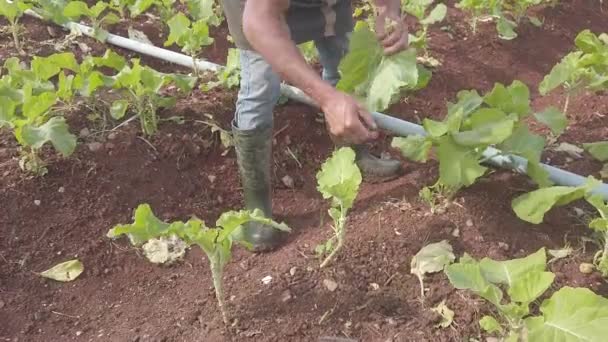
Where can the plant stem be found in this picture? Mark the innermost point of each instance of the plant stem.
(566, 103)
(217, 273)
(340, 235)
(15, 32)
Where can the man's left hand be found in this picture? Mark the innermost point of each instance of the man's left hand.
(391, 31)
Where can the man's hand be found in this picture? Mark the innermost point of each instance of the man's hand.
(347, 120)
(390, 29)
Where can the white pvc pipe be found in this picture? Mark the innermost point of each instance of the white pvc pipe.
(397, 126)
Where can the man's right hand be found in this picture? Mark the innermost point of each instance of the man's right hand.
(347, 120)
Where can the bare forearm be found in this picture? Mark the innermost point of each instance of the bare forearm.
(267, 32)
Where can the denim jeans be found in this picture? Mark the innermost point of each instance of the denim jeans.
(260, 85)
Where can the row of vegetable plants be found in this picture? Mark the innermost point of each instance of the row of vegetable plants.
(38, 95)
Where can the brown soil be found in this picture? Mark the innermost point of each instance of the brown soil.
(181, 172)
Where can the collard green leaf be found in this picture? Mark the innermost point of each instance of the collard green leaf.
(533, 206)
(76, 9)
(139, 7)
(512, 99)
(530, 146)
(599, 150)
(394, 73)
(230, 221)
(484, 116)
(508, 272)
(118, 109)
(571, 314)
(431, 258)
(47, 67)
(364, 55)
(437, 14)
(561, 73)
(530, 286)
(554, 119)
(414, 147)
(487, 134)
(468, 102)
(179, 27)
(490, 325)
(7, 111)
(145, 226)
(201, 9)
(110, 59)
(458, 165)
(506, 28)
(55, 131)
(65, 271)
(339, 178)
(468, 276)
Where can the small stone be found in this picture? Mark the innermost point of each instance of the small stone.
(61, 190)
(220, 199)
(266, 280)
(6, 173)
(212, 178)
(94, 146)
(503, 246)
(286, 296)
(292, 271)
(106, 271)
(374, 286)
(469, 223)
(288, 181)
(2, 304)
(112, 136)
(37, 202)
(586, 268)
(84, 133)
(78, 333)
(330, 285)
(456, 232)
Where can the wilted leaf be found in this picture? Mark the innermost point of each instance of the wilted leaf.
(557, 254)
(165, 250)
(490, 325)
(554, 119)
(430, 259)
(599, 150)
(54, 131)
(66, 271)
(447, 315)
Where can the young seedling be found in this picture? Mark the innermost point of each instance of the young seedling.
(376, 79)
(142, 86)
(190, 36)
(216, 242)
(426, 18)
(584, 68)
(338, 180)
(97, 14)
(570, 314)
(13, 11)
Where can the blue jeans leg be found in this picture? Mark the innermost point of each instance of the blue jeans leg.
(331, 51)
(259, 92)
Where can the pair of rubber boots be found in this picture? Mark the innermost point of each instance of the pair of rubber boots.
(254, 154)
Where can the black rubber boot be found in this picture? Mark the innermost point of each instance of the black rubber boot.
(254, 153)
(374, 169)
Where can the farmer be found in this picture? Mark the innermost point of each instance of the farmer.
(266, 32)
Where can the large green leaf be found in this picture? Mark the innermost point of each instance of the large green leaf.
(570, 315)
(7, 111)
(506, 28)
(599, 150)
(468, 102)
(414, 147)
(490, 325)
(201, 9)
(509, 271)
(76, 9)
(230, 221)
(437, 14)
(561, 73)
(37, 106)
(364, 55)
(394, 73)
(179, 28)
(9, 10)
(55, 131)
(530, 146)
(458, 165)
(554, 119)
(530, 286)
(468, 276)
(339, 178)
(487, 134)
(47, 67)
(533, 206)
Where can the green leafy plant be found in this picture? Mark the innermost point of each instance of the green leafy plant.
(570, 314)
(375, 78)
(473, 124)
(338, 180)
(190, 36)
(208, 11)
(586, 67)
(508, 14)
(426, 18)
(51, 10)
(32, 107)
(142, 85)
(533, 206)
(230, 76)
(98, 14)
(165, 8)
(13, 11)
(216, 242)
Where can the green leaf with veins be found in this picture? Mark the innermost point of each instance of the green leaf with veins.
(533, 206)
(414, 147)
(393, 74)
(436, 15)
(7, 111)
(55, 131)
(339, 178)
(571, 314)
(512, 99)
(468, 102)
(364, 56)
(431, 258)
(486, 134)
(530, 286)
(507, 272)
(458, 165)
(554, 119)
(599, 150)
(530, 146)
(506, 28)
(567, 70)
(468, 276)
(118, 109)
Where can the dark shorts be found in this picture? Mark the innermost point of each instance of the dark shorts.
(307, 19)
